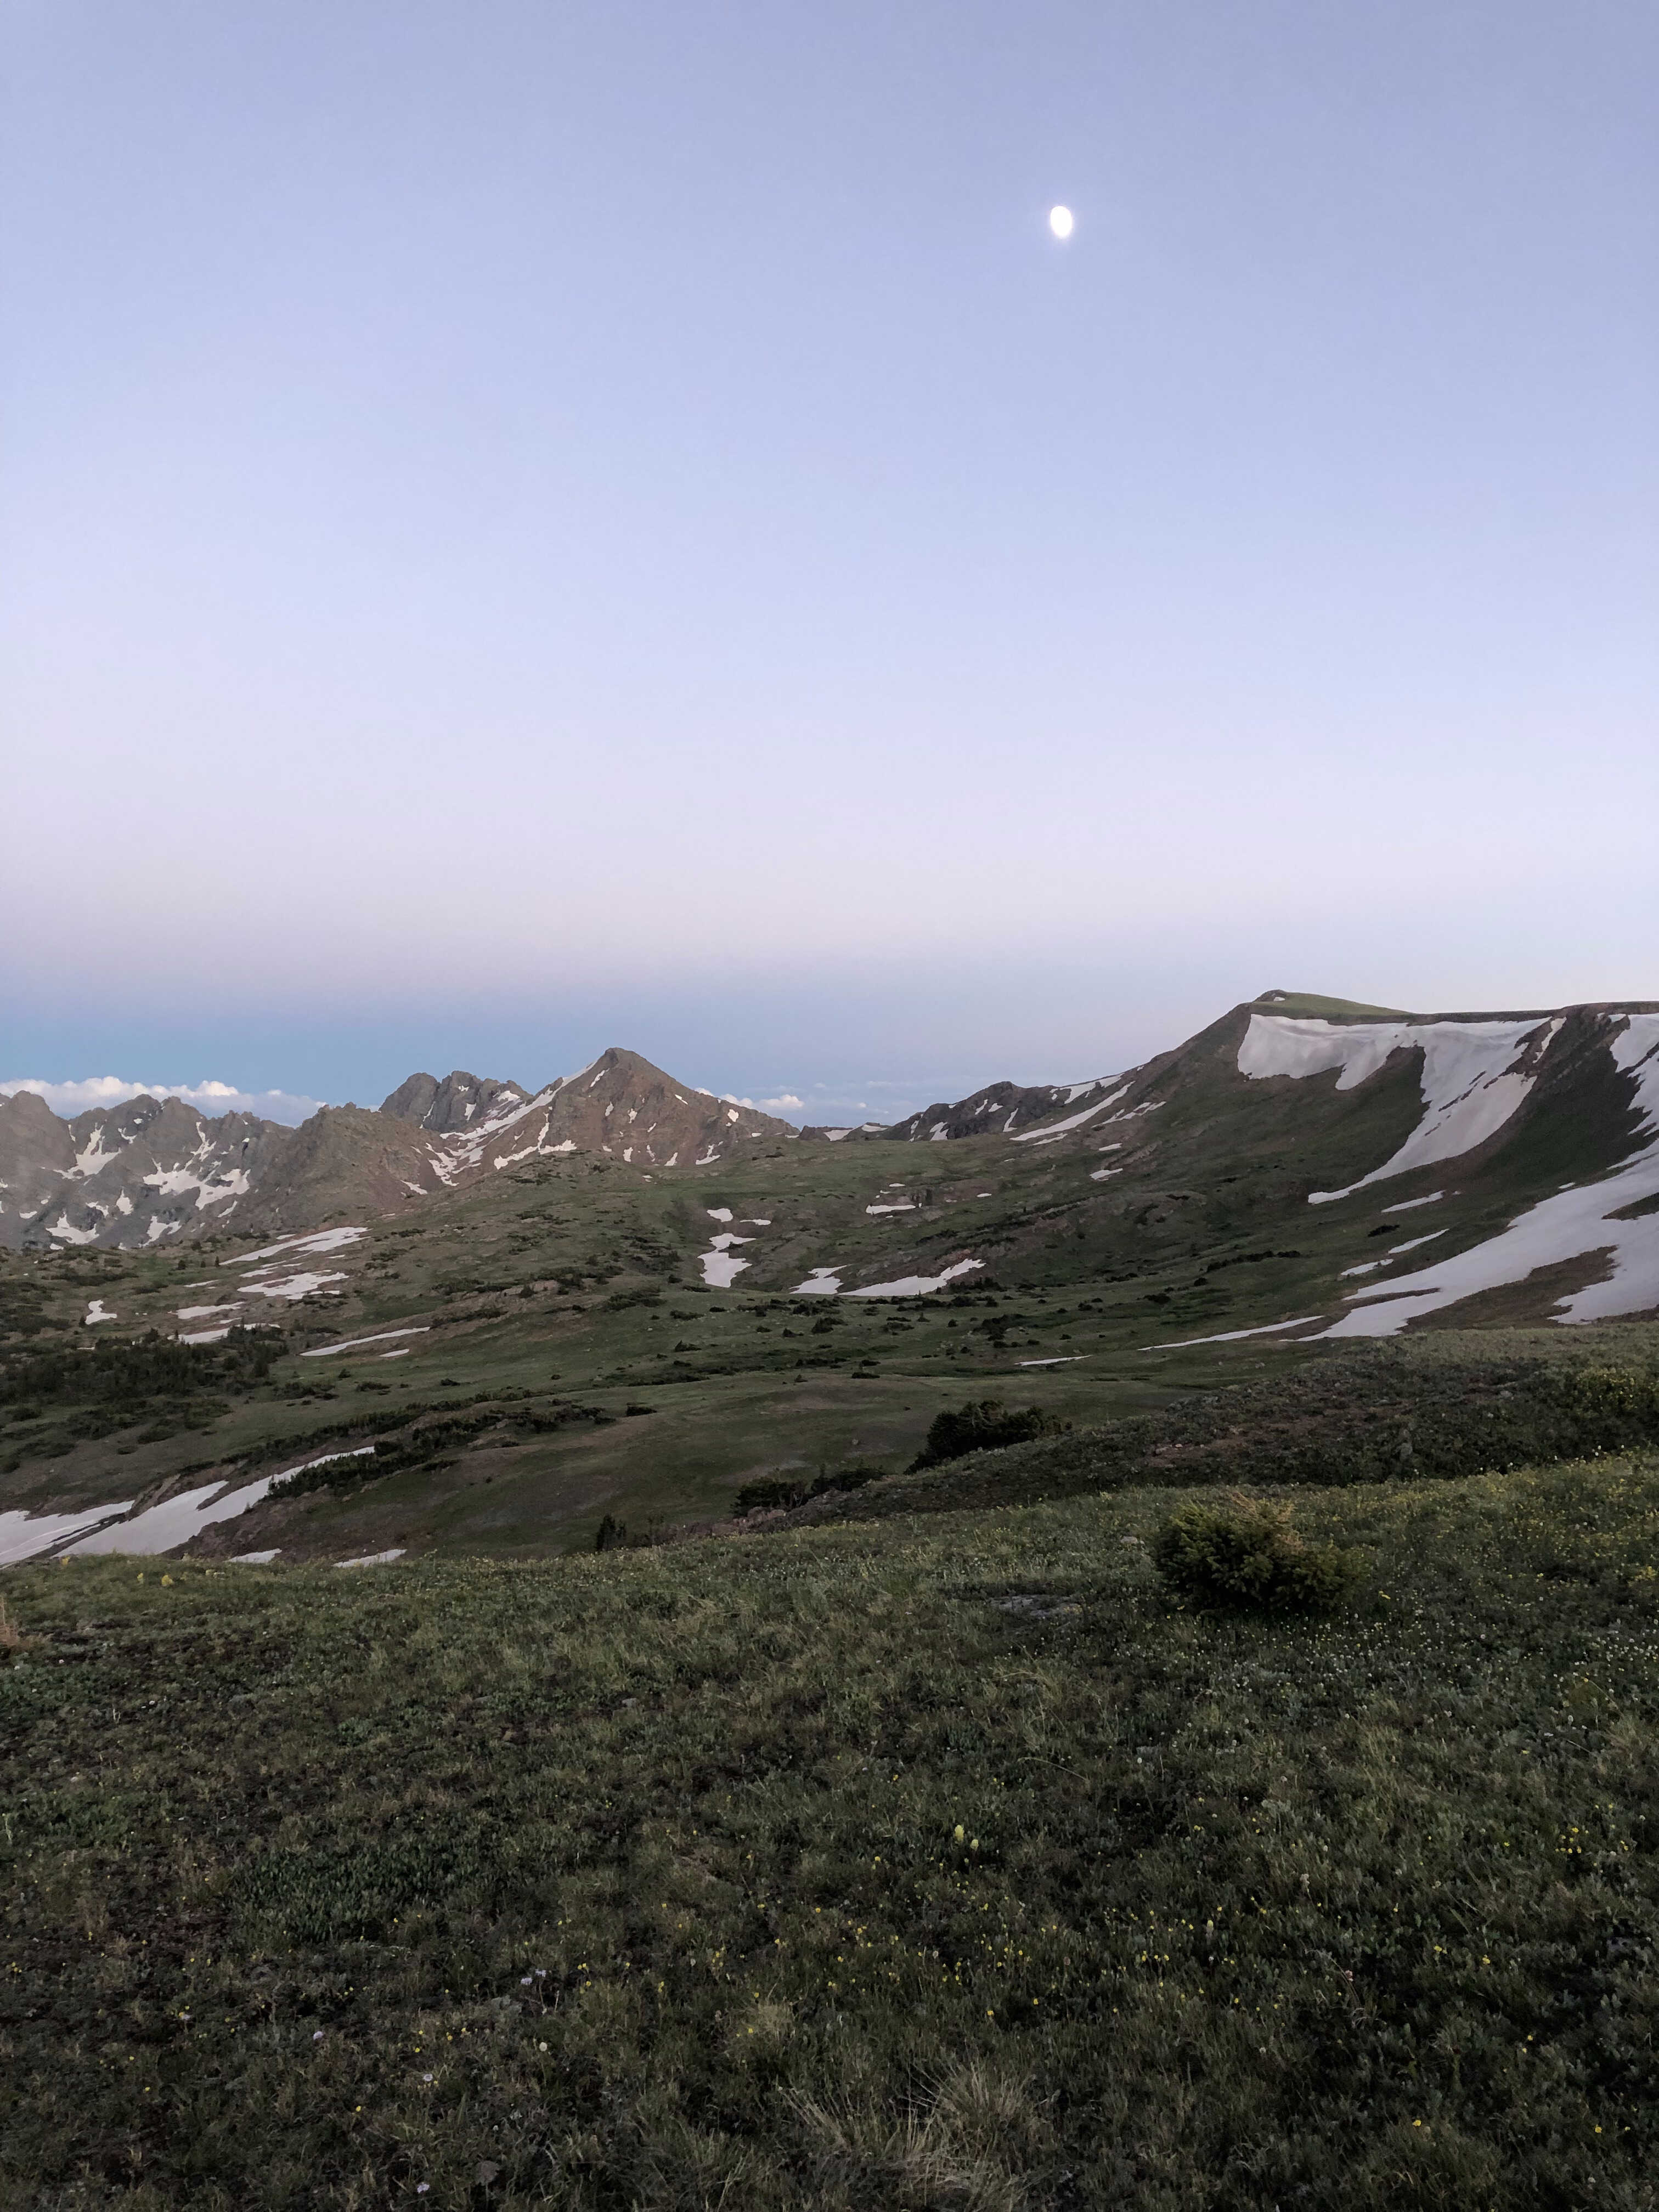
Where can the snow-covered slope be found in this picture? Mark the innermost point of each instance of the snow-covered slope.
(1500, 1101)
(1547, 1123)
(1612, 1222)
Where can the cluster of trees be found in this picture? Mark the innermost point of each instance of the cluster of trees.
(134, 1370)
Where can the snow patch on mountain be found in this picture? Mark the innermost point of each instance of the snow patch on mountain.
(213, 1188)
(1236, 1335)
(27, 1535)
(1471, 1082)
(721, 1264)
(316, 1241)
(94, 1156)
(1050, 1130)
(382, 1336)
(290, 1287)
(65, 1229)
(175, 1521)
(916, 1286)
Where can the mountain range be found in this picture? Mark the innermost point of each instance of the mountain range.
(152, 1170)
(1549, 1118)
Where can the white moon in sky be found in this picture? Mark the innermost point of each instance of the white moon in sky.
(1061, 221)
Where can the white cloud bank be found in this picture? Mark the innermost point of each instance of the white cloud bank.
(785, 1099)
(818, 1106)
(69, 1099)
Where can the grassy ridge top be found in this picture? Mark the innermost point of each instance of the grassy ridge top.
(1310, 1003)
(913, 1864)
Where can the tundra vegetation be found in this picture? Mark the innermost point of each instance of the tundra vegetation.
(916, 1861)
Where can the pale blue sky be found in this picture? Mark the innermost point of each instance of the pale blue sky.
(533, 526)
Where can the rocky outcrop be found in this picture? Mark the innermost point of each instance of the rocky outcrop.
(453, 1106)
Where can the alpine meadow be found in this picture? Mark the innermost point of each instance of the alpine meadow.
(536, 1677)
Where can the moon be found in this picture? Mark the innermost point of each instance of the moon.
(1062, 221)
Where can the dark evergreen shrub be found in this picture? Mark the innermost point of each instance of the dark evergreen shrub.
(1241, 1552)
(769, 1493)
(983, 1424)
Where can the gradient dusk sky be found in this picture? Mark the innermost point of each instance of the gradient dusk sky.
(530, 526)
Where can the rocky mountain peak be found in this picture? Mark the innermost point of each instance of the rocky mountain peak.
(622, 1106)
(461, 1102)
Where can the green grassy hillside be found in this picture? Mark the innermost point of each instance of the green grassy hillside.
(944, 1863)
(1448, 1403)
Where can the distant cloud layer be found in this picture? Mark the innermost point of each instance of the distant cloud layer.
(69, 1099)
(818, 1107)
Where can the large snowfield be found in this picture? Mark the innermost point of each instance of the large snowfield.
(1471, 1087)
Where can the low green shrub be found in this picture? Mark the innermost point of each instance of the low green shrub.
(983, 1424)
(1242, 1552)
(1624, 1400)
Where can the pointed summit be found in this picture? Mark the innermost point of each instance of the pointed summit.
(622, 1105)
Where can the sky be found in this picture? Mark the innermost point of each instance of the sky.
(536, 526)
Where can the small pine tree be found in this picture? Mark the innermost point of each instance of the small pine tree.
(612, 1534)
